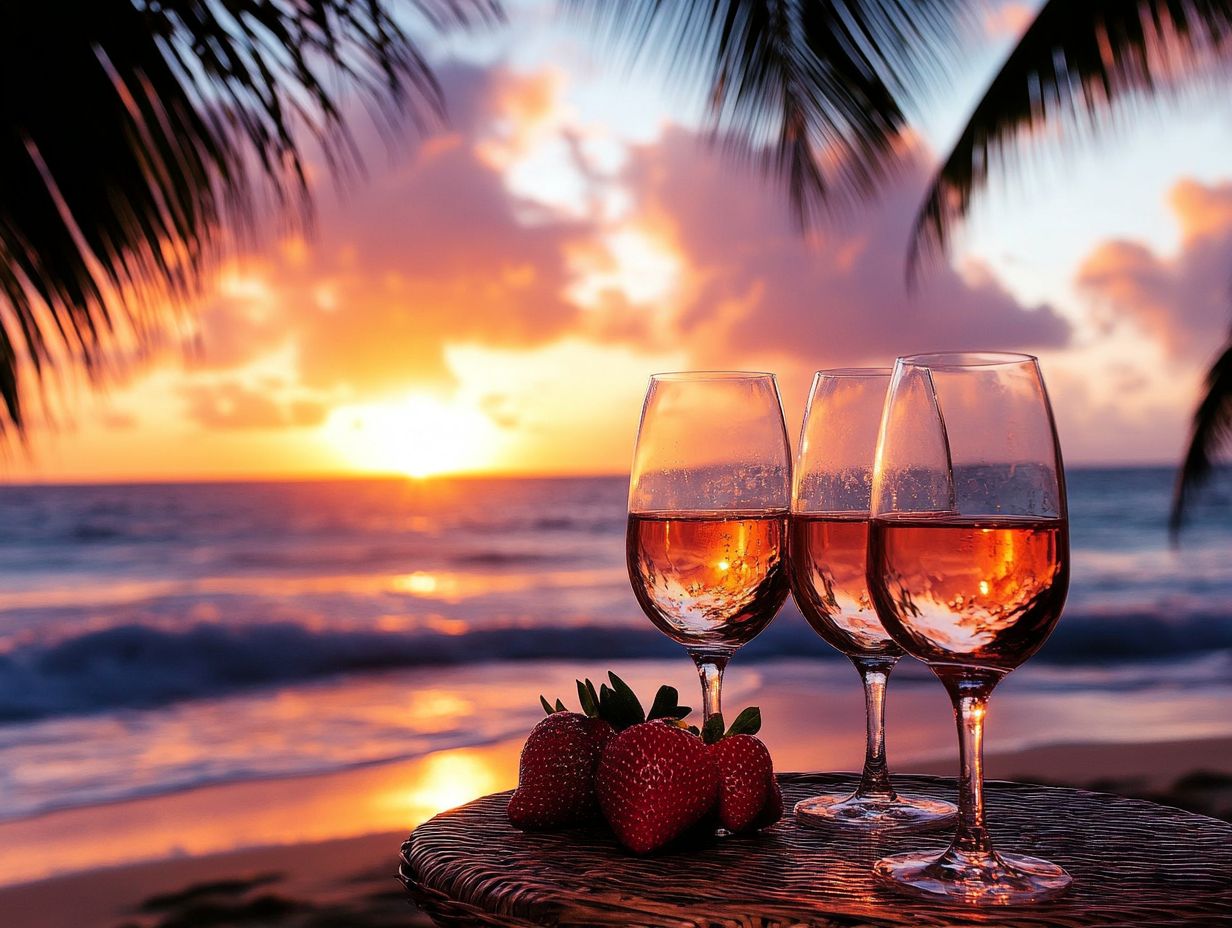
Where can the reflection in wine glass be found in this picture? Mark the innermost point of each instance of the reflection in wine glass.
(828, 546)
(708, 498)
(968, 565)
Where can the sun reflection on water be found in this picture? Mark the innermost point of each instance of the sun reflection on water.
(446, 781)
(418, 582)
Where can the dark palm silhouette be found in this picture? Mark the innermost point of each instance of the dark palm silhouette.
(814, 93)
(801, 84)
(138, 138)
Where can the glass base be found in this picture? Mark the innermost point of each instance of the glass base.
(974, 879)
(868, 813)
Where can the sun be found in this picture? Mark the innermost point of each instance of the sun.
(419, 436)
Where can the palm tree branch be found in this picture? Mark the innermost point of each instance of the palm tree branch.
(1212, 429)
(813, 91)
(140, 138)
(1071, 64)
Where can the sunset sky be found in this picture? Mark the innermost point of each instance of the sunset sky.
(494, 296)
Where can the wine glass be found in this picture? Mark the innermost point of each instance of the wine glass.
(828, 544)
(968, 566)
(708, 499)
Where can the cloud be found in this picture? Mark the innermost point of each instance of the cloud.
(1181, 301)
(242, 319)
(231, 405)
(431, 251)
(448, 247)
(1008, 20)
(754, 287)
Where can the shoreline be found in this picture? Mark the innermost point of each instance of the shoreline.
(329, 842)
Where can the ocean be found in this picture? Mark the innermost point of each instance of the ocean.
(156, 638)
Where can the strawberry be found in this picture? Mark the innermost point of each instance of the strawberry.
(749, 794)
(772, 811)
(654, 782)
(557, 771)
(746, 772)
(556, 774)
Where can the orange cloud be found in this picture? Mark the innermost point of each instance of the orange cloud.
(526, 106)
(1202, 211)
(231, 405)
(1009, 20)
(1179, 301)
(431, 252)
(439, 252)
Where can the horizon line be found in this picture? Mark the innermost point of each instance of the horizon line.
(343, 477)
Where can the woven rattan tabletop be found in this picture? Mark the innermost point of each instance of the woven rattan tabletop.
(1134, 864)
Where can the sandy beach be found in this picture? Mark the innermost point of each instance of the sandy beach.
(323, 849)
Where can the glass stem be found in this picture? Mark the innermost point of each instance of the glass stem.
(710, 667)
(875, 781)
(970, 697)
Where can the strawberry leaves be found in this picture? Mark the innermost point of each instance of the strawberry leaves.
(747, 722)
(588, 698)
(549, 708)
(618, 705)
(667, 705)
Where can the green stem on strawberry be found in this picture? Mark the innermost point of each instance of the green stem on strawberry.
(748, 722)
(618, 705)
(549, 708)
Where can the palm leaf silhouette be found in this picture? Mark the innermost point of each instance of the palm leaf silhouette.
(811, 91)
(1072, 67)
(1212, 428)
(136, 134)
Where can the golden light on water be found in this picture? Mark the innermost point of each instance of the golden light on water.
(419, 582)
(447, 781)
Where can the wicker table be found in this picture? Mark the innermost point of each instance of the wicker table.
(1134, 864)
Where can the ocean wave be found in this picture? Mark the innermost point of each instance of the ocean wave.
(139, 666)
(1108, 637)
(505, 558)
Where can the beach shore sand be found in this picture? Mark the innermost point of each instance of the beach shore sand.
(330, 843)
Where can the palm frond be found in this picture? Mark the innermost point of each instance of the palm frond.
(1212, 430)
(136, 134)
(812, 91)
(1073, 63)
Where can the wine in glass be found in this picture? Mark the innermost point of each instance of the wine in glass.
(708, 500)
(828, 545)
(968, 566)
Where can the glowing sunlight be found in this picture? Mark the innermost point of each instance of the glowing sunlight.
(419, 436)
(448, 780)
